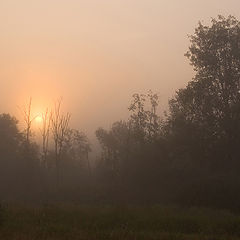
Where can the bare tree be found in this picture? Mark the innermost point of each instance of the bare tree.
(45, 130)
(59, 126)
(28, 120)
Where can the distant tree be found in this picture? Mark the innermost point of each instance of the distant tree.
(76, 148)
(12, 149)
(126, 137)
(10, 137)
(130, 149)
(154, 121)
(143, 116)
(45, 131)
(30, 148)
(138, 115)
(28, 120)
(115, 145)
(59, 127)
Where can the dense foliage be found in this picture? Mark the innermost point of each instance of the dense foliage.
(192, 155)
(188, 156)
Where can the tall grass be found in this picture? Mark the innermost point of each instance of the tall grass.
(120, 223)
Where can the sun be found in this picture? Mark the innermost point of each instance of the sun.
(38, 119)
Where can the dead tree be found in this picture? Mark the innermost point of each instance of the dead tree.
(28, 153)
(59, 127)
(28, 119)
(45, 130)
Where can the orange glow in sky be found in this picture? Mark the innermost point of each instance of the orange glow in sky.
(38, 119)
(96, 54)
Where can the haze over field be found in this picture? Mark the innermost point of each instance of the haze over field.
(96, 54)
(119, 119)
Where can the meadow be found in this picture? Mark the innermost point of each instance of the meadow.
(50, 222)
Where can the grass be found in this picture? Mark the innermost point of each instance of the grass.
(117, 223)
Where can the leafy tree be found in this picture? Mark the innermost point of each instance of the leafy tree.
(10, 137)
(202, 130)
(215, 56)
(114, 143)
(126, 138)
(14, 169)
(209, 106)
(143, 116)
(76, 148)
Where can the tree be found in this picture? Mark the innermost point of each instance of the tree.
(10, 137)
(203, 127)
(130, 149)
(215, 56)
(76, 149)
(45, 131)
(28, 120)
(143, 116)
(59, 126)
(115, 145)
(15, 171)
(210, 104)
(30, 148)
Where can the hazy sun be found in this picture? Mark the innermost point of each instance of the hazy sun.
(38, 119)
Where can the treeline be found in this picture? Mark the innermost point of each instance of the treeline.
(191, 155)
(42, 172)
(188, 156)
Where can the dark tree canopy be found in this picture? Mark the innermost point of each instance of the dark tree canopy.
(215, 55)
(10, 137)
(211, 101)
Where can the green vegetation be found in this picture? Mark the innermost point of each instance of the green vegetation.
(89, 223)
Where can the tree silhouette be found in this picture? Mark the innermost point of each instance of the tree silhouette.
(59, 126)
(28, 120)
(210, 104)
(45, 131)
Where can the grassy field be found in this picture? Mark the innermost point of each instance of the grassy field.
(118, 223)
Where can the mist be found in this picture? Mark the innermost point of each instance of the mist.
(119, 119)
(96, 54)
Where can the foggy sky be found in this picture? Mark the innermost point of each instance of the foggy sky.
(96, 53)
